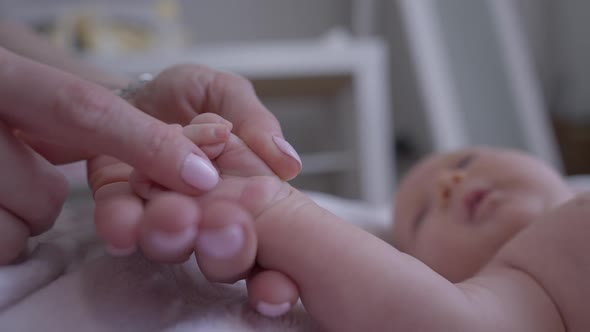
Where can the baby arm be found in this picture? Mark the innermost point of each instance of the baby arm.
(352, 281)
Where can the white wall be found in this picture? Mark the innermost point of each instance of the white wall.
(569, 47)
(243, 20)
(556, 30)
(408, 108)
(558, 33)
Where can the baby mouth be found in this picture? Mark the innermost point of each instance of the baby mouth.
(473, 201)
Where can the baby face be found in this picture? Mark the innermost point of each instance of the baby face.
(454, 211)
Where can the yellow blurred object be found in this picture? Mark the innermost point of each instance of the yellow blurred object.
(94, 34)
(116, 28)
(168, 9)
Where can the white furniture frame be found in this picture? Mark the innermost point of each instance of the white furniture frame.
(438, 82)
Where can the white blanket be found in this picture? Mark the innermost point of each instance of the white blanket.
(68, 283)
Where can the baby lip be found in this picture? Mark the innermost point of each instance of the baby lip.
(473, 200)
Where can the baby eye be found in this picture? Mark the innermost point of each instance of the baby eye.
(464, 162)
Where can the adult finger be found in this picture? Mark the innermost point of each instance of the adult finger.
(104, 170)
(209, 137)
(117, 217)
(31, 189)
(271, 292)
(68, 111)
(13, 236)
(55, 153)
(169, 228)
(190, 89)
(226, 244)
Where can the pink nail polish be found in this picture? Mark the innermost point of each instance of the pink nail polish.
(286, 148)
(199, 172)
(172, 243)
(225, 242)
(273, 310)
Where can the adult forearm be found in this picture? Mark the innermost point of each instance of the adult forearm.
(23, 41)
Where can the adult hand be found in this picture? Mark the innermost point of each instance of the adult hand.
(181, 92)
(218, 226)
(64, 118)
(178, 95)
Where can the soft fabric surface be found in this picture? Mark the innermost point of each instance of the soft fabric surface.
(68, 283)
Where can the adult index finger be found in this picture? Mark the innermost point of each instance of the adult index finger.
(74, 113)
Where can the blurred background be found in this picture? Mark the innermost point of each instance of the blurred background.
(363, 88)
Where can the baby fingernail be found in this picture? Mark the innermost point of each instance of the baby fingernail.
(172, 243)
(120, 252)
(286, 148)
(273, 310)
(199, 172)
(225, 242)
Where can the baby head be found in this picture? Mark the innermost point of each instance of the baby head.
(455, 210)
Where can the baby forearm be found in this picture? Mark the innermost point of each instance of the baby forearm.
(350, 280)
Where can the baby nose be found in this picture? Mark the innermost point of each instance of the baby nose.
(447, 183)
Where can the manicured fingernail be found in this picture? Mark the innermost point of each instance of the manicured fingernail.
(225, 242)
(120, 252)
(273, 310)
(286, 148)
(172, 243)
(199, 172)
